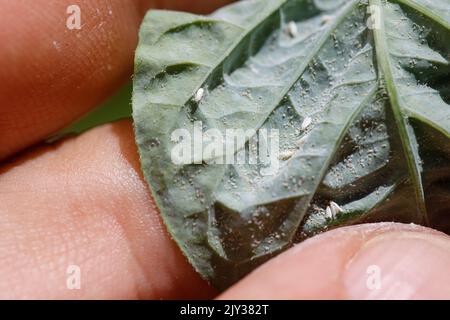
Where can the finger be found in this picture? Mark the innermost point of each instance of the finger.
(83, 203)
(51, 74)
(202, 6)
(378, 261)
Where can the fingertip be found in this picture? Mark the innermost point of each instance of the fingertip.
(373, 261)
(199, 6)
(52, 74)
(53, 71)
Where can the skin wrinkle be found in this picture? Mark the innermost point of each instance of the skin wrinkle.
(62, 240)
(34, 260)
(400, 279)
(120, 221)
(59, 242)
(90, 207)
(79, 73)
(171, 268)
(412, 234)
(127, 238)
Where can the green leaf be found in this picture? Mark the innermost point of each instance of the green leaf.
(352, 96)
(115, 108)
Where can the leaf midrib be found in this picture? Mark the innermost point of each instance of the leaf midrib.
(426, 12)
(385, 67)
(235, 44)
(308, 59)
(300, 69)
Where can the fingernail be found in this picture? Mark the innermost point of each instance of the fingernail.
(400, 265)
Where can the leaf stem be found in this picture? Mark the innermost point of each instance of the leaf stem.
(385, 66)
(426, 12)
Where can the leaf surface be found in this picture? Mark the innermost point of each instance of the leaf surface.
(354, 101)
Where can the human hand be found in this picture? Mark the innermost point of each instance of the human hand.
(83, 202)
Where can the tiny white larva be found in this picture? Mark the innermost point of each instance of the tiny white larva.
(199, 95)
(335, 208)
(329, 213)
(292, 29)
(306, 123)
(286, 155)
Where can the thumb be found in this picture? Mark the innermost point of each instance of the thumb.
(373, 261)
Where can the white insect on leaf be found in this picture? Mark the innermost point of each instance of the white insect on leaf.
(306, 123)
(329, 213)
(199, 95)
(292, 29)
(335, 208)
(286, 155)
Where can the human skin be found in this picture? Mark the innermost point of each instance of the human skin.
(83, 201)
